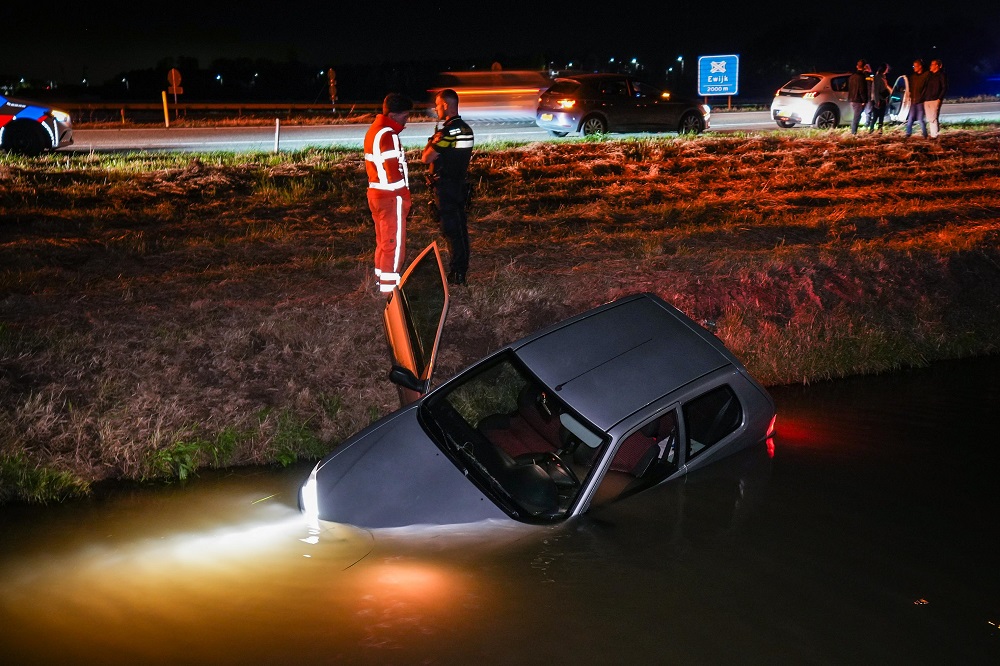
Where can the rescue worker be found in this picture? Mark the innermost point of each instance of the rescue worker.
(448, 153)
(388, 189)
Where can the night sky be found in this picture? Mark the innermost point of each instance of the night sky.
(100, 40)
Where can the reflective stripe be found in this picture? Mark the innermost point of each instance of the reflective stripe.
(378, 159)
(399, 236)
(386, 288)
(391, 276)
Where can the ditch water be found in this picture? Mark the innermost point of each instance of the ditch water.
(868, 537)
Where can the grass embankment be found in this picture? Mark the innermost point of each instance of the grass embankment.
(164, 312)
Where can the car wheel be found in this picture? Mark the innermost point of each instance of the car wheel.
(593, 125)
(23, 138)
(826, 118)
(691, 123)
(785, 123)
(555, 133)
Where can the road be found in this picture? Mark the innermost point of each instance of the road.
(262, 139)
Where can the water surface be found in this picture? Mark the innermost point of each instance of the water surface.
(868, 537)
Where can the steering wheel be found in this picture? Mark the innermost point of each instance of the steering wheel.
(560, 473)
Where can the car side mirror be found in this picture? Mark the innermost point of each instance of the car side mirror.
(403, 377)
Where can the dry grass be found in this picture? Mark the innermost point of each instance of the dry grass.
(161, 312)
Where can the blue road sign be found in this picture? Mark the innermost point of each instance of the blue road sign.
(718, 75)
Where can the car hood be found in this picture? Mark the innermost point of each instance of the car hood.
(392, 474)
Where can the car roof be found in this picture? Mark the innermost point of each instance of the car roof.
(610, 362)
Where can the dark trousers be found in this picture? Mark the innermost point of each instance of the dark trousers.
(451, 198)
(877, 114)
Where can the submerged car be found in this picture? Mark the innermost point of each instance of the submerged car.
(27, 128)
(602, 103)
(813, 98)
(600, 406)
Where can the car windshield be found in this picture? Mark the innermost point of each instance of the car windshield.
(514, 438)
(802, 83)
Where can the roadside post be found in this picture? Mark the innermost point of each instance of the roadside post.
(331, 76)
(719, 75)
(166, 114)
(175, 89)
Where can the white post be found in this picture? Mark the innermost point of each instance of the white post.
(277, 132)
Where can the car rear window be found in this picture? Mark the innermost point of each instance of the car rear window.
(802, 83)
(564, 87)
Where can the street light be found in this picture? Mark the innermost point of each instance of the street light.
(218, 77)
(680, 59)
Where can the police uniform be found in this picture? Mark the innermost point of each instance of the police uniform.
(453, 143)
(388, 198)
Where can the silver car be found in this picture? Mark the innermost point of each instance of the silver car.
(601, 406)
(813, 98)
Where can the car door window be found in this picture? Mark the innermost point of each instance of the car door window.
(709, 418)
(839, 83)
(414, 317)
(614, 88)
(644, 458)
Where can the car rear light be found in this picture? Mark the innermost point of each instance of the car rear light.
(809, 95)
(566, 104)
(665, 95)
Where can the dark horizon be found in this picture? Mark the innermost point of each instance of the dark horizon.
(105, 42)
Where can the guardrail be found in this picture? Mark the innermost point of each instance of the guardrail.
(105, 111)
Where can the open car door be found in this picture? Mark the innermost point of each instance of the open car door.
(414, 316)
(898, 105)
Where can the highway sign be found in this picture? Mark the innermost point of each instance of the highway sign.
(718, 75)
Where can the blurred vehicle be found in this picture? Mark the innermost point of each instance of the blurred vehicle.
(602, 103)
(603, 405)
(27, 128)
(814, 98)
(898, 106)
(494, 94)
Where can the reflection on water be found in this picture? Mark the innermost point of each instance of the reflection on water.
(866, 538)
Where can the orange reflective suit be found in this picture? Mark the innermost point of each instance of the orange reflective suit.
(388, 198)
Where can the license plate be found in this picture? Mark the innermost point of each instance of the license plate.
(546, 116)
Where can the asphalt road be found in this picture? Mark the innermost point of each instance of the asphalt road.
(263, 139)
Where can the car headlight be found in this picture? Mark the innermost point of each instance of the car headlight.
(309, 497)
(61, 116)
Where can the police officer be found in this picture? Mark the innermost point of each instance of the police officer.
(448, 153)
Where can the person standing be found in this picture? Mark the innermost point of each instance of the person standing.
(918, 85)
(857, 94)
(880, 97)
(388, 189)
(934, 92)
(448, 153)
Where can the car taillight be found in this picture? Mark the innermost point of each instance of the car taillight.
(566, 103)
(809, 95)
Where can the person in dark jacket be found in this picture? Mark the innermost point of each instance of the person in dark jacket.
(934, 92)
(448, 153)
(918, 86)
(880, 97)
(857, 94)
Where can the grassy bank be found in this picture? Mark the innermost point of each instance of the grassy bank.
(159, 313)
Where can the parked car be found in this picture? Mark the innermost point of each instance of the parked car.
(813, 98)
(602, 103)
(28, 128)
(603, 405)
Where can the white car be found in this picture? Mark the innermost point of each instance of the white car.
(813, 98)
